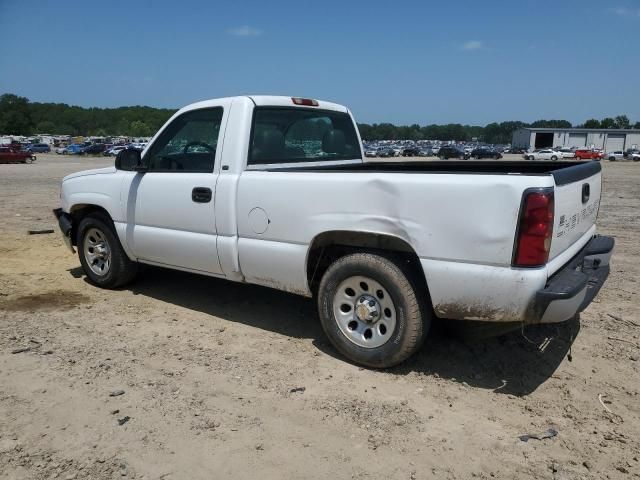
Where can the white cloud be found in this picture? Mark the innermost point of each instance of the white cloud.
(471, 45)
(244, 31)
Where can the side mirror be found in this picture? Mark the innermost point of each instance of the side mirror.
(129, 160)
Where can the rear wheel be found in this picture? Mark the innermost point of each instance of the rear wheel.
(369, 310)
(101, 255)
(554, 158)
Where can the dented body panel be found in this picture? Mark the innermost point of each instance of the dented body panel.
(460, 221)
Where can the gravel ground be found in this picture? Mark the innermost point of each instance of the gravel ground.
(186, 377)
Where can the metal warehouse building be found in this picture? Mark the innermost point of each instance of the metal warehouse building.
(608, 139)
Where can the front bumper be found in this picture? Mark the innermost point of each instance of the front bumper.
(570, 290)
(66, 227)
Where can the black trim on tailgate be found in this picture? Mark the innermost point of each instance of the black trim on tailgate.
(576, 173)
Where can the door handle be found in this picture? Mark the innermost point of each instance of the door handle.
(201, 194)
(586, 192)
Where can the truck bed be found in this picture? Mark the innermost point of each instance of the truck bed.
(563, 172)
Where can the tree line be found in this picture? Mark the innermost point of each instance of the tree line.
(492, 133)
(19, 116)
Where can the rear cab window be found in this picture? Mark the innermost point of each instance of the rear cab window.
(286, 135)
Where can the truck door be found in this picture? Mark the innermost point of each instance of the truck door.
(170, 206)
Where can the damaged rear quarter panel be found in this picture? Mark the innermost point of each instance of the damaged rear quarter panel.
(460, 219)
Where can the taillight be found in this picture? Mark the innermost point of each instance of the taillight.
(535, 229)
(305, 101)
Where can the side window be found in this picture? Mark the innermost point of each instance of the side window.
(291, 135)
(188, 144)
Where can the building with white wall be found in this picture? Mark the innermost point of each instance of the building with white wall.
(608, 139)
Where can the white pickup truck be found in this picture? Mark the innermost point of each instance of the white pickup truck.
(274, 191)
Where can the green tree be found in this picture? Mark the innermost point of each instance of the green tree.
(65, 129)
(139, 129)
(46, 126)
(592, 123)
(551, 124)
(608, 123)
(622, 121)
(15, 117)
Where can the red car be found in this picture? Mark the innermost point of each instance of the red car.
(588, 154)
(10, 155)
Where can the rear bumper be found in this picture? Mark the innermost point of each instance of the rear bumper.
(570, 290)
(66, 227)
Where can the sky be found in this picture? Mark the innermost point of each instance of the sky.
(397, 61)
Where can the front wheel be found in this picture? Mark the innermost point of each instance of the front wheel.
(101, 255)
(369, 310)
(554, 158)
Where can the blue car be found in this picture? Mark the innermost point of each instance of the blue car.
(39, 148)
(75, 149)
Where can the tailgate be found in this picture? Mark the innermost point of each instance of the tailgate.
(576, 203)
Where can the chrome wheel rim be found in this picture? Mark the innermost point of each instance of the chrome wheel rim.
(364, 311)
(97, 252)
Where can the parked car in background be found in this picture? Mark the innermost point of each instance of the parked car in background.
(11, 155)
(39, 148)
(615, 155)
(60, 150)
(93, 149)
(449, 151)
(542, 154)
(411, 151)
(630, 151)
(386, 152)
(73, 149)
(567, 152)
(113, 151)
(589, 154)
(425, 152)
(483, 152)
(635, 156)
(370, 152)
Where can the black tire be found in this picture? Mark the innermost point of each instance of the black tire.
(554, 158)
(121, 270)
(413, 317)
(612, 159)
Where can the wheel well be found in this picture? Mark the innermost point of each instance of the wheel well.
(80, 211)
(328, 247)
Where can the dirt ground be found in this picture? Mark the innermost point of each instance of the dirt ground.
(222, 380)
